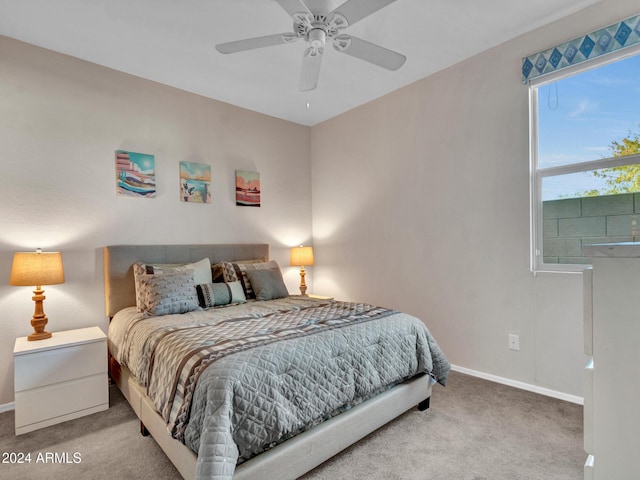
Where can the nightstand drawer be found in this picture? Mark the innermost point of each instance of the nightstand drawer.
(57, 365)
(52, 401)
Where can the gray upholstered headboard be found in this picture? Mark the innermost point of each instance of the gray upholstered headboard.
(119, 286)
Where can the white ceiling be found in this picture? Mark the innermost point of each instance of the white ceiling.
(172, 42)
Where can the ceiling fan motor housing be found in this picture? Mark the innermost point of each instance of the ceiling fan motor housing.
(306, 23)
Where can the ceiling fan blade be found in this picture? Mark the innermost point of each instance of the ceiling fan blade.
(369, 52)
(355, 10)
(311, 69)
(257, 42)
(293, 6)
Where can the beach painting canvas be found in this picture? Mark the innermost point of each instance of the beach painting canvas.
(247, 188)
(135, 174)
(195, 182)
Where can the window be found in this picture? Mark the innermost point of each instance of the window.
(585, 160)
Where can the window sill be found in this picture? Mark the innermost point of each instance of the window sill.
(561, 268)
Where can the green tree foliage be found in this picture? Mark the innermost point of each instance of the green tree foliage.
(624, 179)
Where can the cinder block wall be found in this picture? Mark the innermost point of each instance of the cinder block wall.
(571, 223)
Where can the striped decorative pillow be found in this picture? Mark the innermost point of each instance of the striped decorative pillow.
(217, 294)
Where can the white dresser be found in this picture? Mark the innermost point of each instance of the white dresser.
(612, 377)
(60, 378)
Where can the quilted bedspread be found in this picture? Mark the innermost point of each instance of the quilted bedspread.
(232, 382)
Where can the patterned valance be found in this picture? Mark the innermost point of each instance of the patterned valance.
(609, 39)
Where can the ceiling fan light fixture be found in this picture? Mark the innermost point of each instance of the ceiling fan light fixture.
(317, 38)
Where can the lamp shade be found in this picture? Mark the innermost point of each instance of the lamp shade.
(301, 256)
(36, 269)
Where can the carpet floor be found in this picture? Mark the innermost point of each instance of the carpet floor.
(474, 430)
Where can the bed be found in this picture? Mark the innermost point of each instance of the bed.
(266, 387)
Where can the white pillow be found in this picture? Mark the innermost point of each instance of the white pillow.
(201, 270)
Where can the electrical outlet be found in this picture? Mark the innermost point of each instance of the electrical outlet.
(514, 342)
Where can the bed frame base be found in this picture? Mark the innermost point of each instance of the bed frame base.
(300, 454)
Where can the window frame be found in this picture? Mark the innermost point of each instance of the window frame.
(536, 174)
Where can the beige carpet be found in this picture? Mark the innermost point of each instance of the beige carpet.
(474, 430)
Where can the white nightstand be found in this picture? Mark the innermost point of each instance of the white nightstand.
(60, 378)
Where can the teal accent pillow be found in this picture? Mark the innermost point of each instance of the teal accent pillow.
(267, 284)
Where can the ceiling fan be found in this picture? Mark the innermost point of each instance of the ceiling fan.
(315, 25)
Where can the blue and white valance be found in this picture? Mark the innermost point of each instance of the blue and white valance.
(606, 40)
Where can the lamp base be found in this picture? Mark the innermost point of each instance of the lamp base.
(303, 285)
(39, 320)
(39, 336)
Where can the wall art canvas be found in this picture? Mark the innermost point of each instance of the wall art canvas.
(247, 188)
(195, 182)
(135, 174)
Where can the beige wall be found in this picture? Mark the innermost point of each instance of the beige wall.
(61, 119)
(421, 202)
(387, 179)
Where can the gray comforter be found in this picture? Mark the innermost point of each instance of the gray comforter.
(235, 381)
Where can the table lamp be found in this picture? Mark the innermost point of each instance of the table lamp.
(301, 257)
(36, 269)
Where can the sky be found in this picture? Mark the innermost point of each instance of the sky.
(581, 115)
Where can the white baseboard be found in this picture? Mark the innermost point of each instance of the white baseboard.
(7, 407)
(521, 385)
